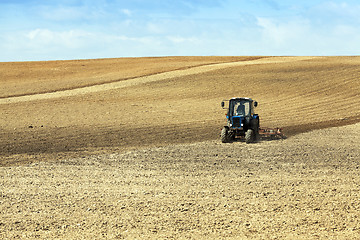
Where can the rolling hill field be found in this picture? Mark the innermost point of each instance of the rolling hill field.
(129, 148)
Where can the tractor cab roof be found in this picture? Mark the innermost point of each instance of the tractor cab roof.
(237, 99)
(246, 99)
(242, 99)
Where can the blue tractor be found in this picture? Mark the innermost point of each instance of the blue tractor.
(242, 122)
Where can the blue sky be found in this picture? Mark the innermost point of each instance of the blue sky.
(32, 30)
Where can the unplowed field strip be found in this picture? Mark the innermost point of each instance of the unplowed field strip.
(143, 80)
(29, 78)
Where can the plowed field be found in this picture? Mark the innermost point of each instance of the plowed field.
(128, 148)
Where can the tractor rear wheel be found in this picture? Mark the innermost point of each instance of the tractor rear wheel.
(250, 136)
(225, 138)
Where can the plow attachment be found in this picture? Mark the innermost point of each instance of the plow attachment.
(271, 133)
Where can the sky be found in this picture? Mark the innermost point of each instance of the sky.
(34, 30)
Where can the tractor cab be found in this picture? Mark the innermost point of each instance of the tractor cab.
(243, 107)
(240, 110)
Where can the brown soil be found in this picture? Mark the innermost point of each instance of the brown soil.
(128, 148)
(24, 78)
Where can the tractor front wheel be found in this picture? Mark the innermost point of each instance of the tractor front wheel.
(225, 138)
(250, 136)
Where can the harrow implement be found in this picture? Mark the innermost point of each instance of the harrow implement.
(271, 133)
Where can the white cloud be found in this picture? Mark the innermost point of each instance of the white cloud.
(302, 36)
(127, 12)
(279, 32)
(143, 40)
(155, 28)
(69, 39)
(343, 9)
(177, 39)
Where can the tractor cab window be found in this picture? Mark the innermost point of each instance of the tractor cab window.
(241, 108)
